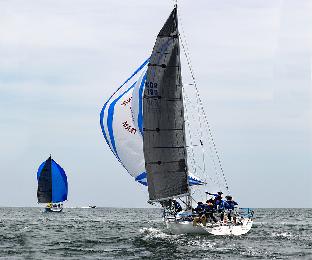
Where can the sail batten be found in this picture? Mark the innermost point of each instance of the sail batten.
(163, 114)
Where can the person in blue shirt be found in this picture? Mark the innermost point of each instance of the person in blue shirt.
(217, 198)
(220, 207)
(177, 206)
(229, 205)
(209, 208)
(200, 212)
(199, 208)
(218, 203)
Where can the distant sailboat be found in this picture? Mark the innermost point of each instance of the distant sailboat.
(143, 123)
(52, 185)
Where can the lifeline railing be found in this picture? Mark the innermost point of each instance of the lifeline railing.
(246, 212)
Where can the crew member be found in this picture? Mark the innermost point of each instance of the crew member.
(209, 206)
(177, 206)
(229, 205)
(200, 211)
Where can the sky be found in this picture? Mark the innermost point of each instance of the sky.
(61, 60)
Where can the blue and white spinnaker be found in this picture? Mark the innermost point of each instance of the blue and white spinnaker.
(121, 121)
(119, 129)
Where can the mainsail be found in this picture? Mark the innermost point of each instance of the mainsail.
(163, 113)
(52, 182)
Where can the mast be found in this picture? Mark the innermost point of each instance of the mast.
(164, 143)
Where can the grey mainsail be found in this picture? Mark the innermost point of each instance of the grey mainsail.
(44, 192)
(164, 131)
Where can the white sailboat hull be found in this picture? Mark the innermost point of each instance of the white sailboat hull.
(220, 229)
(53, 209)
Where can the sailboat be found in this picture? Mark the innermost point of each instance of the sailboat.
(52, 185)
(144, 124)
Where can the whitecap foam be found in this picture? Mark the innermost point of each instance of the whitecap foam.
(155, 233)
(283, 235)
(201, 243)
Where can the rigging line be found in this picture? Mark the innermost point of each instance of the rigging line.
(210, 146)
(210, 154)
(203, 113)
(188, 59)
(214, 162)
(212, 151)
(188, 127)
(185, 50)
(190, 111)
(201, 137)
(192, 107)
(192, 75)
(192, 150)
(216, 153)
(189, 104)
(219, 161)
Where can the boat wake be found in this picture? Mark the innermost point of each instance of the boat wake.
(156, 233)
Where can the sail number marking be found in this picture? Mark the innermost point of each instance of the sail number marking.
(151, 88)
(126, 102)
(129, 128)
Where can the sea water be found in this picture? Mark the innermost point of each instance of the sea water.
(111, 233)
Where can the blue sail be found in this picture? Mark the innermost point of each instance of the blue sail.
(52, 182)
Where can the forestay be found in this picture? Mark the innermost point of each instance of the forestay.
(163, 113)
